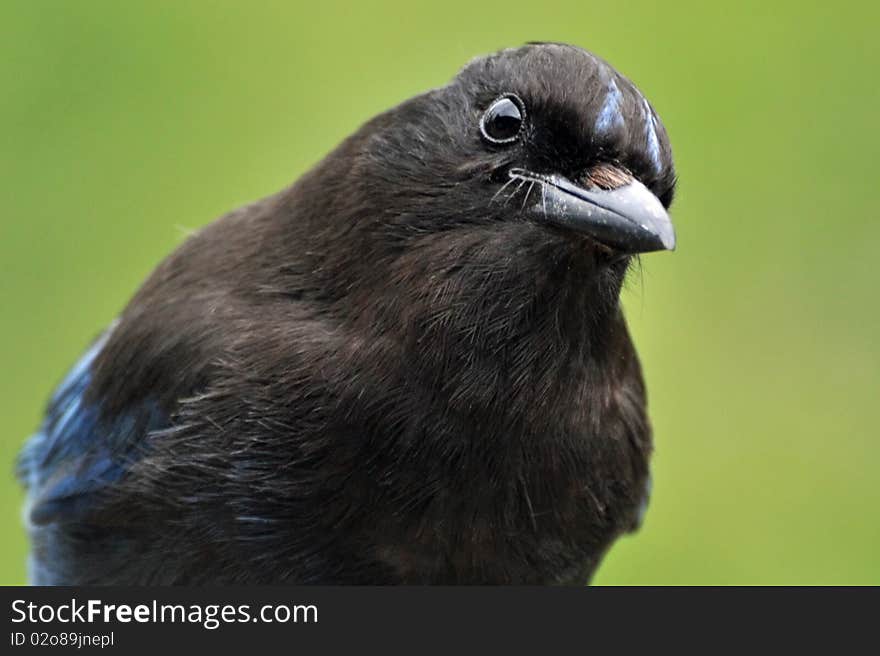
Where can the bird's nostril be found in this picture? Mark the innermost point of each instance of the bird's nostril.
(607, 177)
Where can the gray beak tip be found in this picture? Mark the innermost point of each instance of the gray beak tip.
(667, 238)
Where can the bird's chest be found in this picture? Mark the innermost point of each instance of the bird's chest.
(544, 512)
(519, 468)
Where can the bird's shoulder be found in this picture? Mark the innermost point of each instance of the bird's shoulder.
(79, 450)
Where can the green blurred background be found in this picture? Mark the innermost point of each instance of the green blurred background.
(122, 125)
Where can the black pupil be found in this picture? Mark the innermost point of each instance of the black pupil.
(503, 120)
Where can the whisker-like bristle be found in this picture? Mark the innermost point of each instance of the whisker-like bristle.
(544, 200)
(503, 187)
(522, 182)
(528, 193)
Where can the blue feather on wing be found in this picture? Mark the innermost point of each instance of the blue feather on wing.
(78, 452)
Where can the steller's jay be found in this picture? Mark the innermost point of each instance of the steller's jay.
(411, 366)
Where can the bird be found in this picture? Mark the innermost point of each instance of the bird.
(410, 366)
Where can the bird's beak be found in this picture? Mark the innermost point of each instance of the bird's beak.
(629, 219)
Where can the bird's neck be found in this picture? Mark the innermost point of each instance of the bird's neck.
(507, 318)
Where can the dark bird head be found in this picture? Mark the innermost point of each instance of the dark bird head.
(546, 133)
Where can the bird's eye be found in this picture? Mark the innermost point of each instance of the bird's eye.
(503, 121)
